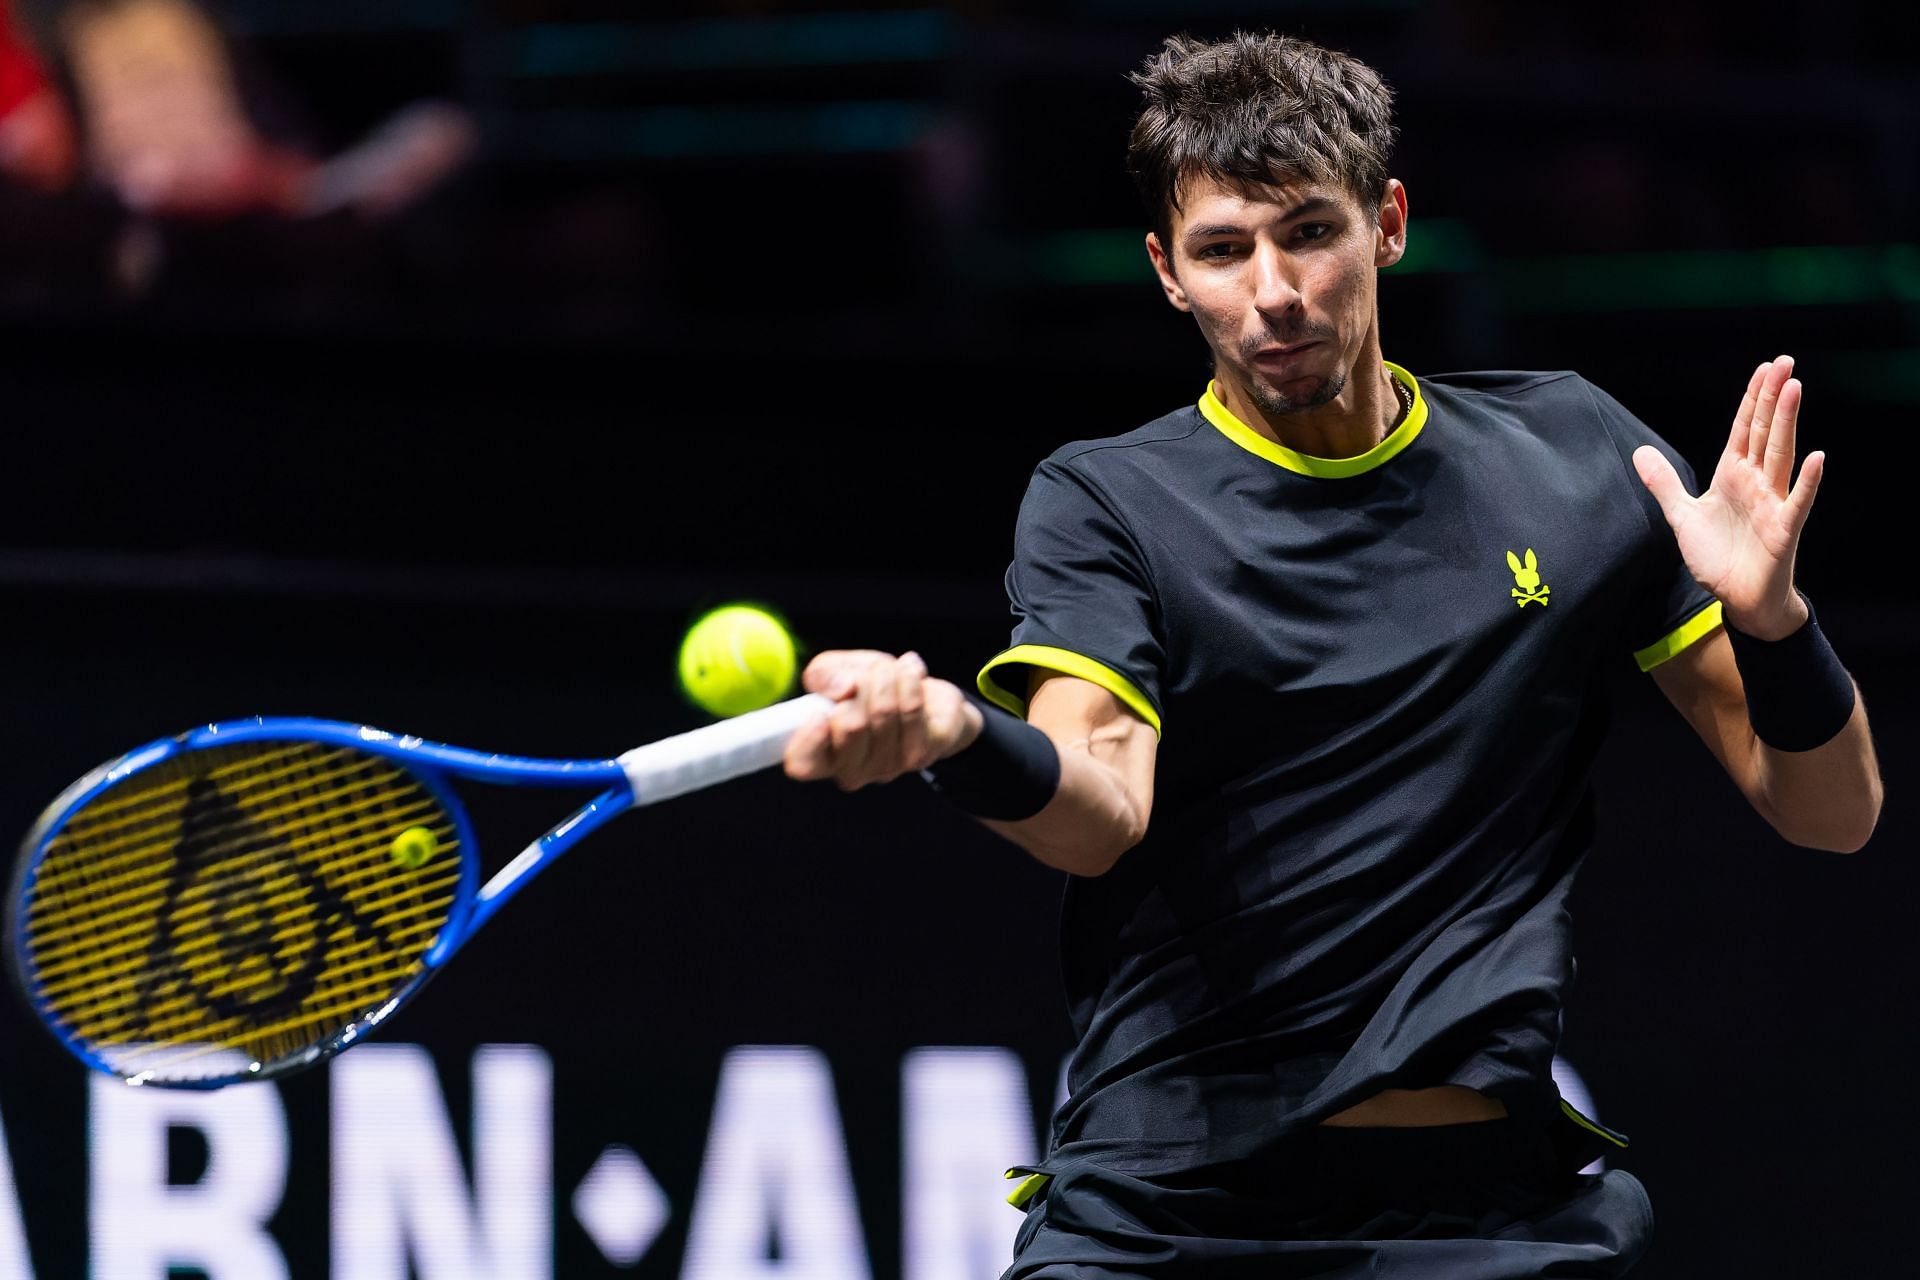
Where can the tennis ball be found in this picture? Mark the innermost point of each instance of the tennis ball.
(412, 847)
(737, 658)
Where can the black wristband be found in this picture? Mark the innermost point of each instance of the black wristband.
(1007, 773)
(1798, 694)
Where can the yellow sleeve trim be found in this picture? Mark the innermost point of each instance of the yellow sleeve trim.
(1679, 638)
(1067, 663)
(1618, 1140)
(1022, 1195)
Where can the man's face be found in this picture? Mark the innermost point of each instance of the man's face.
(1281, 280)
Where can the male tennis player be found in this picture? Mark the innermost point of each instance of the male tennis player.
(1315, 940)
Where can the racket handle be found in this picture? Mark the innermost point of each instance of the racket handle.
(702, 757)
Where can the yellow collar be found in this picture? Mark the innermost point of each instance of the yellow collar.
(1305, 463)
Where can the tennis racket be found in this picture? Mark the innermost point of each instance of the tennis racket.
(250, 898)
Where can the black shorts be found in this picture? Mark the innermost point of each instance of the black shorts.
(1482, 1201)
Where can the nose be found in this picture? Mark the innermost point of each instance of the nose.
(1275, 292)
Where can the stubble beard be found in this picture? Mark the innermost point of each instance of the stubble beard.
(1272, 401)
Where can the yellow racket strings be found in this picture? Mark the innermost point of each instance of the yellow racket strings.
(246, 898)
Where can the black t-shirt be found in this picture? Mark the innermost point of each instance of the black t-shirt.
(1377, 682)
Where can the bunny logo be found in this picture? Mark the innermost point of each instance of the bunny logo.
(1530, 590)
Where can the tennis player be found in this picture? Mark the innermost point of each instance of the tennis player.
(1316, 937)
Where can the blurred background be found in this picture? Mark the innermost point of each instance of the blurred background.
(432, 364)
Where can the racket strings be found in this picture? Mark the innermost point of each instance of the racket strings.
(241, 898)
(82, 990)
(106, 890)
(271, 786)
(250, 967)
(77, 958)
(352, 993)
(121, 899)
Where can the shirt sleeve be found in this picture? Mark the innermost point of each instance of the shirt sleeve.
(1082, 597)
(1668, 610)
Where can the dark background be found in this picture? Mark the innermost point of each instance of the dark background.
(764, 301)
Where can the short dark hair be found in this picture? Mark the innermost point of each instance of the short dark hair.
(1257, 109)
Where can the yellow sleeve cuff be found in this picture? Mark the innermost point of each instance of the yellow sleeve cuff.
(1029, 1187)
(1067, 663)
(1679, 638)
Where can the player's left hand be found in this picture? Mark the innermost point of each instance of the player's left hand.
(1739, 537)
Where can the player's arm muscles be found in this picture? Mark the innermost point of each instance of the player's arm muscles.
(889, 717)
(1825, 798)
(1106, 777)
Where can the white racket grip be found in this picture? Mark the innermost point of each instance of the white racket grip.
(730, 749)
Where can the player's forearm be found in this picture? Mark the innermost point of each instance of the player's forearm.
(1092, 819)
(1072, 785)
(1827, 797)
(1811, 759)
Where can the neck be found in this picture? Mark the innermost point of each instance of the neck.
(1360, 417)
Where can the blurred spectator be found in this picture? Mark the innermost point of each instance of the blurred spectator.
(37, 144)
(162, 125)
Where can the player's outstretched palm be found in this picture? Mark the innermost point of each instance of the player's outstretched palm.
(1739, 537)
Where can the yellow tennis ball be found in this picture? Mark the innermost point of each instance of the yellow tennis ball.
(737, 658)
(414, 846)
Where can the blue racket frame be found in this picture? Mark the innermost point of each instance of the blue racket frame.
(432, 763)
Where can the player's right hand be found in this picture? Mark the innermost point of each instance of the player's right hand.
(889, 717)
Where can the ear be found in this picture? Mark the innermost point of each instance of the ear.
(1163, 267)
(1513, 562)
(1531, 562)
(1390, 230)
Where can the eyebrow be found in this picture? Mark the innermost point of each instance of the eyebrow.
(1312, 204)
